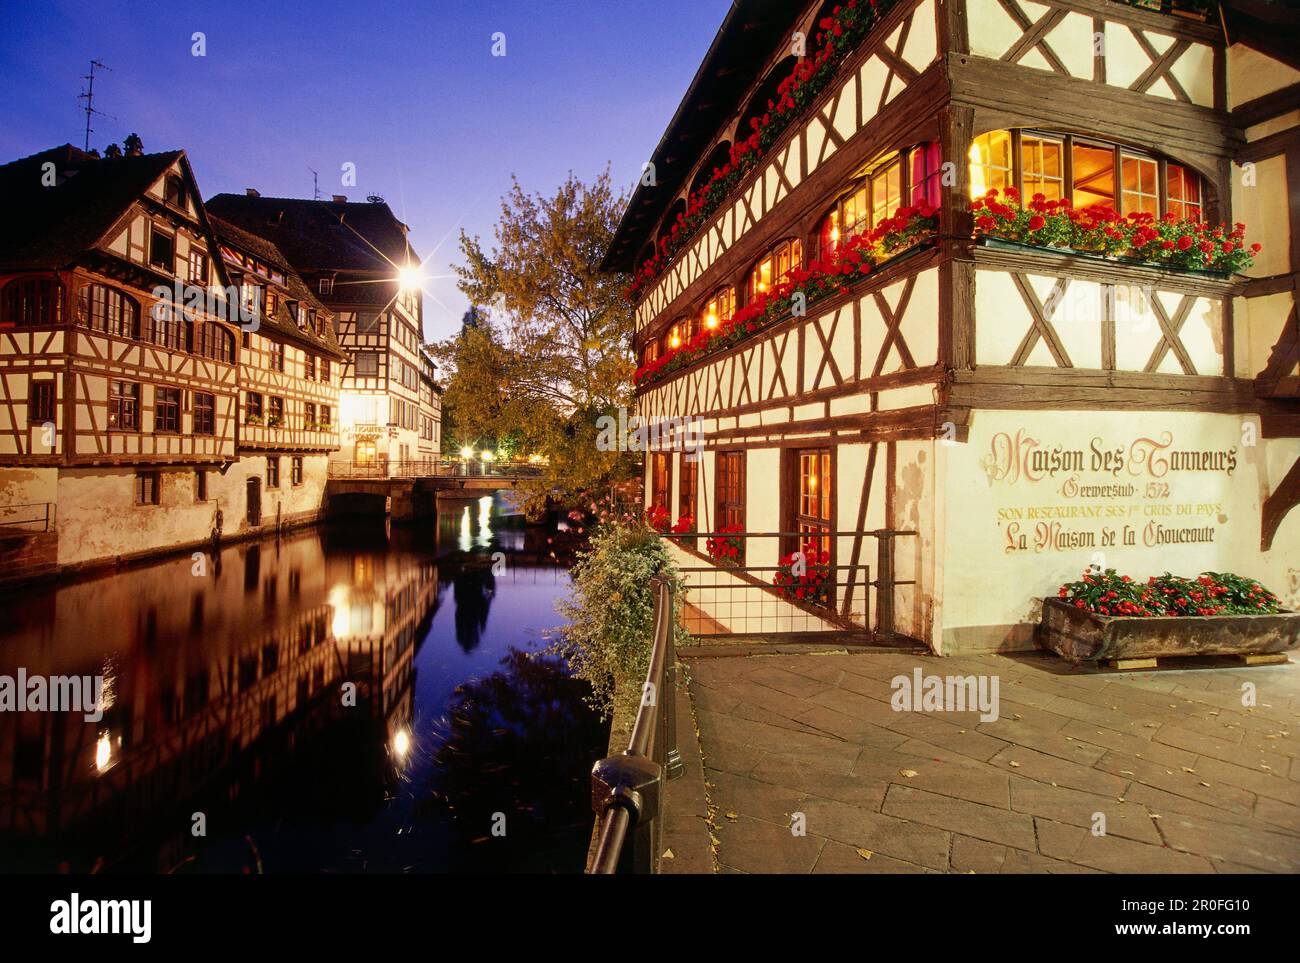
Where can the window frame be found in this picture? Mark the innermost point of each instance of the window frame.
(166, 399)
(116, 406)
(42, 401)
(727, 508)
(206, 425)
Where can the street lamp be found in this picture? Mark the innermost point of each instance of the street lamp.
(487, 457)
(466, 454)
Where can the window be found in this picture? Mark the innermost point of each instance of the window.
(123, 406)
(872, 199)
(215, 342)
(277, 356)
(731, 489)
(205, 413)
(273, 472)
(309, 366)
(774, 268)
(367, 364)
(252, 405)
(252, 297)
(40, 408)
(295, 470)
(325, 369)
(272, 302)
(688, 488)
(32, 301)
(275, 414)
(326, 286)
(811, 507)
(719, 308)
(167, 409)
(990, 162)
(170, 328)
(198, 266)
(200, 485)
(162, 249)
(1043, 160)
(324, 415)
(147, 484)
(661, 481)
(174, 193)
(1062, 167)
(367, 323)
(1139, 180)
(1184, 192)
(108, 309)
(309, 413)
(925, 170)
(1094, 175)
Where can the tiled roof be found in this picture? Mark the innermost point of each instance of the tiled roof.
(50, 227)
(359, 242)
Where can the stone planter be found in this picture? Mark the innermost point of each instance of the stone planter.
(1082, 636)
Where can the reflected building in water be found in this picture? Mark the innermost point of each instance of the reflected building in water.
(211, 683)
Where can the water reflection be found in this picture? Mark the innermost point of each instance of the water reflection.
(308, 697)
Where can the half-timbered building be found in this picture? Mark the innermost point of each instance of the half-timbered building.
(359, 263)
(289, 370)
(118, 394)
(1012, 411)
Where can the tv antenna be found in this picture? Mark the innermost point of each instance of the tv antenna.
(88, 95)
(315, 185)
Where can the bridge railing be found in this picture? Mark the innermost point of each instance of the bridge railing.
(433, 467)
(627, 790)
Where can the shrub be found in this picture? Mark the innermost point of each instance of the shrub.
(1210, 593)
(611, 612)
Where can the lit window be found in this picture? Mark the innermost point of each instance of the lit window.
(1184, 192)
(1140, 179)
(1042, 160)
(719, 308)
(1094, 175)
(775, 267)
(990, 162)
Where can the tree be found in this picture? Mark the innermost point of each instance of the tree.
(546, 349)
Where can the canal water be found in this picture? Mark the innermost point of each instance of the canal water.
(354, 698)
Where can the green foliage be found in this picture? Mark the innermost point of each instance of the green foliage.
(1210, 593)
(611, 611)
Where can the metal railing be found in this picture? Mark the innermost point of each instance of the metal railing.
(736, 597)
(627, 790)
(433, 467)
(27, 517)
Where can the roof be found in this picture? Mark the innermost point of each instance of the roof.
(749, 34)
(281, 322)
(324, 237)
(50, 227)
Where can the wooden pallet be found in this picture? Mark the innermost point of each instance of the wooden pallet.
(1181, 661)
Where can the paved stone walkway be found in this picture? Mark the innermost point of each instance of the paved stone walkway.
(1189, 781)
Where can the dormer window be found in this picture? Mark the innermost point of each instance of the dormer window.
(292, 307)
(162, 249)
(174, 191)
(326, 285)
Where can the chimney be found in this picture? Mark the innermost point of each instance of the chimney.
(340, 198)
(252, 192)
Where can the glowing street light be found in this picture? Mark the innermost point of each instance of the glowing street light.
(467, 453)
(488, 456)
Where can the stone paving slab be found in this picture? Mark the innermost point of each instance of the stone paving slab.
(1185, 776)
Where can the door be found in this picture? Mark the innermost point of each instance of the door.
(255, 501)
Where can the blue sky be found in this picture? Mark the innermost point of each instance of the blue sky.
(408, 92)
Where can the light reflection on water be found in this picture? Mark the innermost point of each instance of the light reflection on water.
(322, 699)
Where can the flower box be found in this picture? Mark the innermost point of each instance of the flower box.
(1083, 636)
(1005, 244)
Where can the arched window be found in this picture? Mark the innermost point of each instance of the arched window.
(718, 309)
(871, 199)
(766, 93)
(774, 267)
(681, 332)
(32, 301)
(716, 159)
(169, 327)
(215, 342)
(106, 309)
(1085, 171)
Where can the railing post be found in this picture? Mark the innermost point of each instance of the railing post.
(885, 584)
(672, 757)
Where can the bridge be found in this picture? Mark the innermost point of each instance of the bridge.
(412, 488)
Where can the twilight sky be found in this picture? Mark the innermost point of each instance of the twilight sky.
(408, 92)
